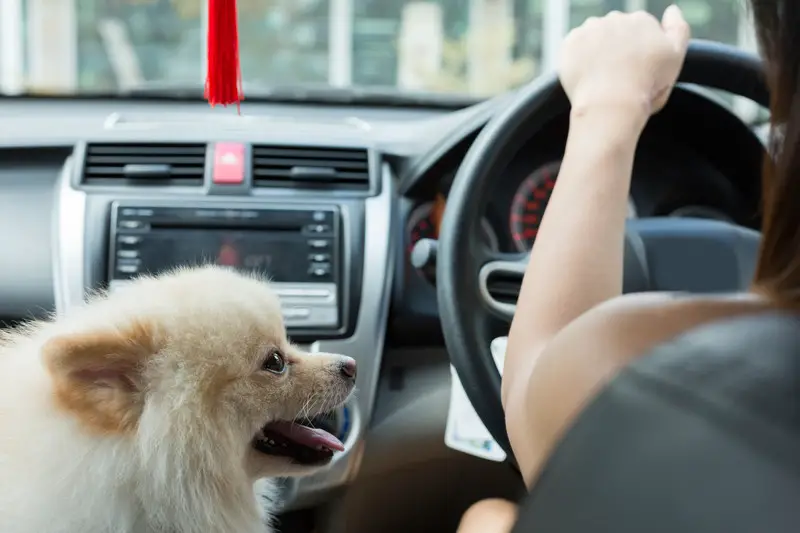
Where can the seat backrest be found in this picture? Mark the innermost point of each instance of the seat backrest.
(700, 436)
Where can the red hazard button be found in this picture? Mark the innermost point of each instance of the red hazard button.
(228, 164)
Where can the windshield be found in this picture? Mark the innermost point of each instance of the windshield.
(454, 48)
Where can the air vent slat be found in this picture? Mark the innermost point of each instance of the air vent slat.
(145, 160)
(148, 149)
(358, 155)
(278, 173)
(120, 172)
(304, 166)
(172, 163)
(504, 287)
(293, 162)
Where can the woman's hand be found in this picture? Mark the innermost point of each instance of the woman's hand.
(624, 60)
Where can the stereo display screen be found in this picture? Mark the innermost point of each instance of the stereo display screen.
(280, 255)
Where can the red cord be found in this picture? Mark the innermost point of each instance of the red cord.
(224, 75)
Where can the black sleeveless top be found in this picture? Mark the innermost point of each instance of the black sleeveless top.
(700, 436)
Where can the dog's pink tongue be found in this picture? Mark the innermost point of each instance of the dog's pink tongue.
(307, 436)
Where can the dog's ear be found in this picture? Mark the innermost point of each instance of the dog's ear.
(99, 376)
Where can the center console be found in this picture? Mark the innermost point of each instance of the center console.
(326, 246)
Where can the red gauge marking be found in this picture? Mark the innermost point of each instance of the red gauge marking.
(529, 204)
(421, 225)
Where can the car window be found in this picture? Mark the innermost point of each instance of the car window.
(452, 47)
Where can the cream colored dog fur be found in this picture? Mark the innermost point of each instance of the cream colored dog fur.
(140, 412)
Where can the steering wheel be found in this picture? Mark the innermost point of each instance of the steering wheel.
(660, 253)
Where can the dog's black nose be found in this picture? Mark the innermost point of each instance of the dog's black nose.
(348, 368)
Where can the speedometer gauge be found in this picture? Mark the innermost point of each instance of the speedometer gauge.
(424, 222)
(530, 201)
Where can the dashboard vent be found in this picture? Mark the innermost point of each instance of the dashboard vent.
(144, 164)
(504, 287)
(312, 167)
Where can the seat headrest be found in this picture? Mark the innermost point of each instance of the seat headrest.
(751, 361)
(701, 435)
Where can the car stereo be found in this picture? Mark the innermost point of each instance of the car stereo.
(296, 248)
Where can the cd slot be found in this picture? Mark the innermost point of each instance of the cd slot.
(232, 226)
(314, 221)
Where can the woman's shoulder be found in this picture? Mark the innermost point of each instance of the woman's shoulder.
(628, 327)
(635, 322)
(746, 360)
(610, 336)
(682, 300)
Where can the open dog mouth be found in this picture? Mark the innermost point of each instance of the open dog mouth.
(298, 441)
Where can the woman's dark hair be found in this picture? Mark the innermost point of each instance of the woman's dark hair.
(778, 31)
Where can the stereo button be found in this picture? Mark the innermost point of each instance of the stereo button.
(128, 268)
(128, 254)
(129, 240)
(133, 212)
(318, 244)
(315, 294)
(318, 293)
(296, 312)
(131, 224)
(319, 258)
(320, 270)
(318, 228)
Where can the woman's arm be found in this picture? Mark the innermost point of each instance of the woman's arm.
(576, 262)
(489, 516)
(616, 71)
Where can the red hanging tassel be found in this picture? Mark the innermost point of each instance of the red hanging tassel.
(224, 75)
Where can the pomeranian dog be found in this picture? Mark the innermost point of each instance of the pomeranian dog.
(157, 408)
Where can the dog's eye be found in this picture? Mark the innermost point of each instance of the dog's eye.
(275, 362)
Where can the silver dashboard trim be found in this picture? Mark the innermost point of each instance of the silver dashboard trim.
(69, 229)
(366, 344)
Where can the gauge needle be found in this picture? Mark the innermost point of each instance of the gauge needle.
(437, 211)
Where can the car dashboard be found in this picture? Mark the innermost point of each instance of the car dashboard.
(95, 192)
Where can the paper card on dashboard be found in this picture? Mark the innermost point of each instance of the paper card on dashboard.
(465, 431)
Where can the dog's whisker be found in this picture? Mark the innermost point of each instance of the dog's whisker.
(305, 411)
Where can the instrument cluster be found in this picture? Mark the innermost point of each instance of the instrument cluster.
(515, 210)
(512, 217)
(425, 219)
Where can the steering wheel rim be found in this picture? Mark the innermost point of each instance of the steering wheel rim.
(460, 257)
